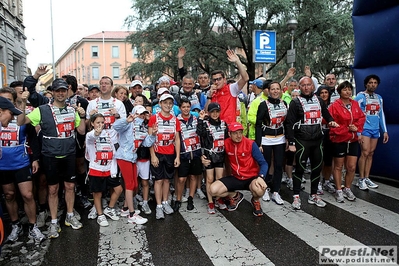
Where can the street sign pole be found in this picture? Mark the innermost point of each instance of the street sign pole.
(264, 44)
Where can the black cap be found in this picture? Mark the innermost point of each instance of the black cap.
(6, 104)
(92, 87)
(59, 84)
(213, 106)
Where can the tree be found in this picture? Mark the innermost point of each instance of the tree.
(207, 28)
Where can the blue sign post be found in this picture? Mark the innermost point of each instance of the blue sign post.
(264, 43)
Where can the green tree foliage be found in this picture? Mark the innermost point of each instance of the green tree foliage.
(207, 28)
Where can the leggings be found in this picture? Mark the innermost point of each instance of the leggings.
(313, 150)
(278, 156)
(129, 174)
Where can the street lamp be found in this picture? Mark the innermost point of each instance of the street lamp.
(292, 24)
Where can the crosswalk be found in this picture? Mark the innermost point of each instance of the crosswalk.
(281, 237)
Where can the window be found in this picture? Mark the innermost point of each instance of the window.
(82, 54)
(95, 73)
(135, 52)
(78, 56)
(115, 72)
(94, 51)
(115, 51)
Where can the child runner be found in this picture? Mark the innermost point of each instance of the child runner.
(213, 131)
(130, 138)
(165, 154)
(100, 153)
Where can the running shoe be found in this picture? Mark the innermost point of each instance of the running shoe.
(41, 218)
(348, 194)
(111, 213)
(339, 196)
(16, 231)
(277, 199)
(92, 213)
(290, 184)
(361, 183)
(211, 208)
(200, 194)
(124, 213)
(84, 201)
(176, 206)
(73, 222)
(296, 203)
(320, 189)
(235, 201)
(53, 230)
(370, 183)
(220, 204)
(139, 197)
(102, 220)
(190, 204)
(137, 219)
(166, 208)
(285, 178)
(36, 234)
(146, 209)
(316, 200)
(76, 214)
(257, 209)
(266, 196)
(328, 186)
(159, 213)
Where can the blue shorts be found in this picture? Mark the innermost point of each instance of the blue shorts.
(371, 133)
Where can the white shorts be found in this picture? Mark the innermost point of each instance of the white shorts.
(143, 169)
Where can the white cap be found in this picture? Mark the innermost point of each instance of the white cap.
(139, 109)
(166, 96)
(162, 90)
(136, 82)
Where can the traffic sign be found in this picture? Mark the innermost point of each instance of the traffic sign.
(264, 43)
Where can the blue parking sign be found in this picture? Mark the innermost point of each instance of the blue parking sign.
(264, 43)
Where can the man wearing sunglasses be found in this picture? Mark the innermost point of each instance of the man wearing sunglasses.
(226, 94)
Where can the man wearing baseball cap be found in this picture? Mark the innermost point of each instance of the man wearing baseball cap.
(58, 122)
(248, 168)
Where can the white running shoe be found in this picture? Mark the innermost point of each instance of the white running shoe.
(102, 220)
(370, 183)
(348, 194)
(15, 232)
(296, 203)
(361, 183)
(339, 196)
(320, 189)
(166, 208)
(200, 194)
(315, 199)
(111, 213)
(41, 218)
(137, 219)
(92, 213)
(277, 199)
(36, 234)
(266, 196)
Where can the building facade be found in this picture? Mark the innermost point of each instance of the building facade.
(12, 42)
(103, 54)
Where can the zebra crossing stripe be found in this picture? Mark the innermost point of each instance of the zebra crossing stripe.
(222, 242)
(120, 241)
(367, 211)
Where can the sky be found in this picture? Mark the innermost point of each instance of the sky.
(72, 20)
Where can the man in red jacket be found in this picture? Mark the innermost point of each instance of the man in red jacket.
(248, 168)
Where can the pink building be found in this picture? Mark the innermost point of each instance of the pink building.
(103, 54)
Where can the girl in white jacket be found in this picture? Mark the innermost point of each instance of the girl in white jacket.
(100, 152)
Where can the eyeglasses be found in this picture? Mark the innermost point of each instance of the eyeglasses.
(217, 79)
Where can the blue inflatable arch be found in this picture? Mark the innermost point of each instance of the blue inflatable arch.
(376, 27)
